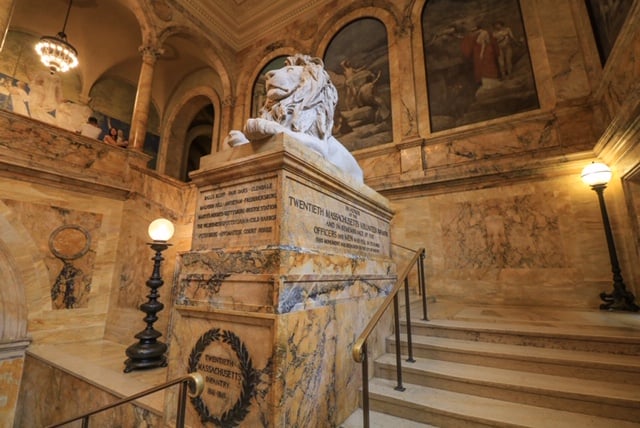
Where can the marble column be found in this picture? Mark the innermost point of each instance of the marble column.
(226, 120)
(143, 97)
(402, 59)
(6, 10)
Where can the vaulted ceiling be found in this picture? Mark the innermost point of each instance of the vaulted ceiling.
(240, 22)
(108, 33)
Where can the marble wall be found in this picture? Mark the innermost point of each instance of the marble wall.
(11, 369)
(44, 384)
(537, 243)
(73, 223)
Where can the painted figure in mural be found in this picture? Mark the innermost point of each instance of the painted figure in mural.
(19, 98)
(367, 96)
(91, 128)
(300, 102)
(505, 40)
(349, 72)
(44, 97)
(481, 48)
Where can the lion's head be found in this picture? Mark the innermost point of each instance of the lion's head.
(301, 97)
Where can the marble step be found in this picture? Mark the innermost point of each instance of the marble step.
(580, 338)
(591, 397)
(381, 420)
(561, 362)
(448, 409)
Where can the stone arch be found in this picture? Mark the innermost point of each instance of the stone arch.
(219, 87)
(248, 77)
(175, 129)
(22, 274)
(198, 143)
(392, 25)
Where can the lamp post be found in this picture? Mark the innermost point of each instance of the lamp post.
(597, 175)
(149, 352)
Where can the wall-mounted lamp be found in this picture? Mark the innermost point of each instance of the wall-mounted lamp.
(597, 175)
(149, 352)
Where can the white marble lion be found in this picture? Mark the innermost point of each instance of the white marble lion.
(300, 102)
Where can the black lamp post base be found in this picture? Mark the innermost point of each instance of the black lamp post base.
(144, 364)
(145, 356)
(618, 301)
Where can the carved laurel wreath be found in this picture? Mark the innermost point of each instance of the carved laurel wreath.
(239, 411)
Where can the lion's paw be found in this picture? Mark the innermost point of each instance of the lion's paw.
(259, 128)
(235, 138)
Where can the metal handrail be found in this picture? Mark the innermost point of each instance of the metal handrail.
(196, 386)
(359, 351)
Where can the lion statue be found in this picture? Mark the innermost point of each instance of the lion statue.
(300, 102)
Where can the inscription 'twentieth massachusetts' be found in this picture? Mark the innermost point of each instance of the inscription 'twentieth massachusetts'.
(343, 226)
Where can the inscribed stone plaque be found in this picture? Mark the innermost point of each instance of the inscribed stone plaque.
(224, 361)
(237, 215)
(321, 220)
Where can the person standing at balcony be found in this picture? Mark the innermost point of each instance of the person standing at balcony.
(90, 128)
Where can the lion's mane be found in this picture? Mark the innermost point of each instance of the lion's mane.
(309, 108)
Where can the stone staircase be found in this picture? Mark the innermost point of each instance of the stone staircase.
(508, 367)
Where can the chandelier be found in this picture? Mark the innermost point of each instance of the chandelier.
(56, 53)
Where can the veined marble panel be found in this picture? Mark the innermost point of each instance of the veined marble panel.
(49, 395)
(234, 353)
(529, 243)
(267, 370)
(68, 240)
(517, 232)
(11, 374)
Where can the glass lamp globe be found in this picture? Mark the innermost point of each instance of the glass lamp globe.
(161, 230)
(596, 174)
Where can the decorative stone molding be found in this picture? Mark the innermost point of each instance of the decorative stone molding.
(15, 348)
(150, 53)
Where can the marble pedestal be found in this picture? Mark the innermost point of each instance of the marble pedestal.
(290, 258)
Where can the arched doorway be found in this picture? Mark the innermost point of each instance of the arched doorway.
(199, 135)
(190, 136)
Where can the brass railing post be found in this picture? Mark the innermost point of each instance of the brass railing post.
(408, 314)
(182, 400)
(396, 317)
(365, 387)
(423, 286)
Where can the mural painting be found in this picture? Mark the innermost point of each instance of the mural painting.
(607, 18)
(29, 89)
(357, 61)
(477, 62)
